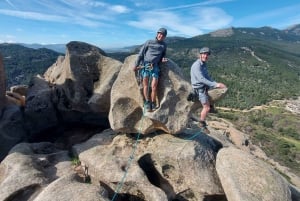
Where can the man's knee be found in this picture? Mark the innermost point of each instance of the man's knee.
(154, 87)
(206, 107)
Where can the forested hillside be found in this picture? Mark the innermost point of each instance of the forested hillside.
(22, 63)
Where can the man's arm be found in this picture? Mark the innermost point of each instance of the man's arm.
(140, 56)
(200, 77)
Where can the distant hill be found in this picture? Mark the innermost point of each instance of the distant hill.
(295, 29)
(60, 48)
(21, 63)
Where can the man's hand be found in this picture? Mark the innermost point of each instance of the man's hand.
(221, 85)
(164, 60)
(135, 68)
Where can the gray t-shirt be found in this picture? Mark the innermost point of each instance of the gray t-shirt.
(200, 78)
(152, 51)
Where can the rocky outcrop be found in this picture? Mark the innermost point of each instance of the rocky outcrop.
(17, 95)
(244, 177)
(84, 77)
(20, 89)
(13, 98)
(12, 129)
(8, 97)
(126, 111)
(33, 166)
(40, 110)
(11, 118)
(223, 32)
(189, 166)
(180, 168)
(87, 87)
(293, 105)
(173, 112)
(74, 90)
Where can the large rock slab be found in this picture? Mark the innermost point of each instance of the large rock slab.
(74, 90)
(158, 167)
(40, 110)
(172, 115)
(28, 168)
(85, 77)
(247, 178)
(126, 111)
(41, 172)
(69, 187)
(12, 129)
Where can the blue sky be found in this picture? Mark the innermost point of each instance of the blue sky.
(120, 23)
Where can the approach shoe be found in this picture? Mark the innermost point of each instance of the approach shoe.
(203, 126)
(153, 106)
(147, 106)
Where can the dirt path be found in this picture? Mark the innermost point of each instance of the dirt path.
(290, 105)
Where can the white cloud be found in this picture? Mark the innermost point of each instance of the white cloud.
(194, 22)
(119, 9)
(72, 19)
(204, 3)
(7, 38)
(32, 15)
(89, 5)
(82, 12)
(79, 3)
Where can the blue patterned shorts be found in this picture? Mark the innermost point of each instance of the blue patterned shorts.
(154, 72)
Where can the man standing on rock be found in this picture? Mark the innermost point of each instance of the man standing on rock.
(151, 54)
(201, 83)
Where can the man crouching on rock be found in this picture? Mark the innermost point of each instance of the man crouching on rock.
(202, 82)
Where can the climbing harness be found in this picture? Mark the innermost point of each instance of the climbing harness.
(148, 68)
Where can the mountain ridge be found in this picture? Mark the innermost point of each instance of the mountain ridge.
(60, 48)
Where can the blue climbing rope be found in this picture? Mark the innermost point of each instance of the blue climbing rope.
(131, 157)
(120, 184)
(189, 138)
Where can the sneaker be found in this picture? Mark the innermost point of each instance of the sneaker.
(147, 106)
(203, 126)
(153, 106)
(203, 123)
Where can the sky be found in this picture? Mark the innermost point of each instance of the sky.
(121, 23)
